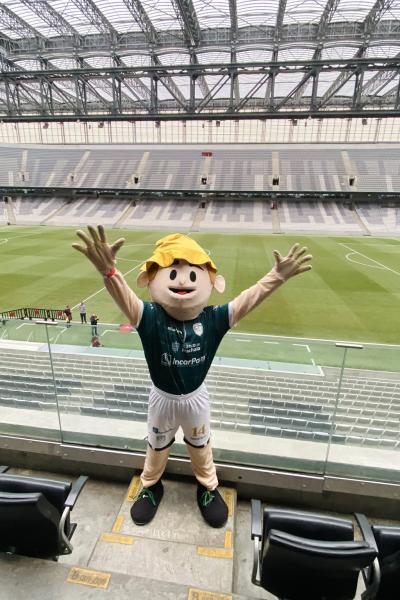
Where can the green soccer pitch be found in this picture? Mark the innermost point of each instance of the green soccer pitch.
(352, 293)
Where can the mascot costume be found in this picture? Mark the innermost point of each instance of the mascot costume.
(180, 334)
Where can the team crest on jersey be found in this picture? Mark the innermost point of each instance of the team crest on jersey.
(166, 359)
(198, 329)
(175, 346)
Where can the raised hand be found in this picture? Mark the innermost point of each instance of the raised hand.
(292, 264)
(97, 249)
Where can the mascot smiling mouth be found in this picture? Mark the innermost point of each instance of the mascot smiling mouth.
(181, 291)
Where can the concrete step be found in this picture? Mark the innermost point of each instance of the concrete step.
(188, 551)
(36, 579)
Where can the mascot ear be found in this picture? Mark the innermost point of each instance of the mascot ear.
(143, 279)
(219, 284)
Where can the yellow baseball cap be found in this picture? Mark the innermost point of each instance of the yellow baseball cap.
(177, 246)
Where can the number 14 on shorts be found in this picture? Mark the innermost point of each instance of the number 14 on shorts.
(198, 431)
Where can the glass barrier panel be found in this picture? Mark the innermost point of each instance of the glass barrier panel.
(366, 437)
(28, 399)
(102, 385)
(272, 401)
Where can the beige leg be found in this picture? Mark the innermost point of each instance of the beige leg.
(154, 466)
(203, 466)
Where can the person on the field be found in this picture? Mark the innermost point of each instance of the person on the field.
(82, 312)
(93, 321)
(180, 335)
(68, 315)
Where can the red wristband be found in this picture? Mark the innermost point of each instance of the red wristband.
(110, 273)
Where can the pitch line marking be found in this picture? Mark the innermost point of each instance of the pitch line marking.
(381, 265)
(103, 288)
(304, 346)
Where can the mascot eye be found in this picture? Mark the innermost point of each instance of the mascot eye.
(192, 276)
(173, 274)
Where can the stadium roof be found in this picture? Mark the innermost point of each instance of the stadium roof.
(191, 57)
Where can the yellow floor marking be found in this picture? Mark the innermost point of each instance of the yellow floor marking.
(228, 539)
(215, 552)
(133, 489)
(117, 539)
(228, 497)
(118, 524)
(195, 594)
(87, 577)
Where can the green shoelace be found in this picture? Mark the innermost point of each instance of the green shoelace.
(145, 493)
(206, 498)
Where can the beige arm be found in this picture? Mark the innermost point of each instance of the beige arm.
(289, 266)
(102, 255)
(124, 297)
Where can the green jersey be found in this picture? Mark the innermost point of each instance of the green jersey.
(179, 353)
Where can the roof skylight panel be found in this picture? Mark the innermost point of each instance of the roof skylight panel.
(352, 10)
(338, 52)
(161, 13)
(100, 61)
(303, 11)
(64, 63)
(393, 12)
(390, 87)
(212, 13)
(247, 83)
(325, 80)
(118, 14)
(219, 88)
(380, 51)
(103, 87)
(207, 58)
(30, 17)
(258, 55)
(28, 65)
(286, 82)
(136, 60)
(75, 17)
(257, 12)
(174, 58)
(183, 85)
(285, 54)
(348, 88)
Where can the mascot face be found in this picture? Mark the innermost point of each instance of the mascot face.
(182, 287)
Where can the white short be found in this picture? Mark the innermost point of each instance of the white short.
(168, 412)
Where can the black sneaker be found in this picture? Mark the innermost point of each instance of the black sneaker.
(212, 506)
(145, 506)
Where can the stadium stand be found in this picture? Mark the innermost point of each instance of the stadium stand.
(34, 211)
(84, 211)
(248, 168)
(314, 217)
(380, 220)
(163, 213)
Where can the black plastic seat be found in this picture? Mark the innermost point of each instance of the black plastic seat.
(305, 556)
(383, 577)
(35, 515)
